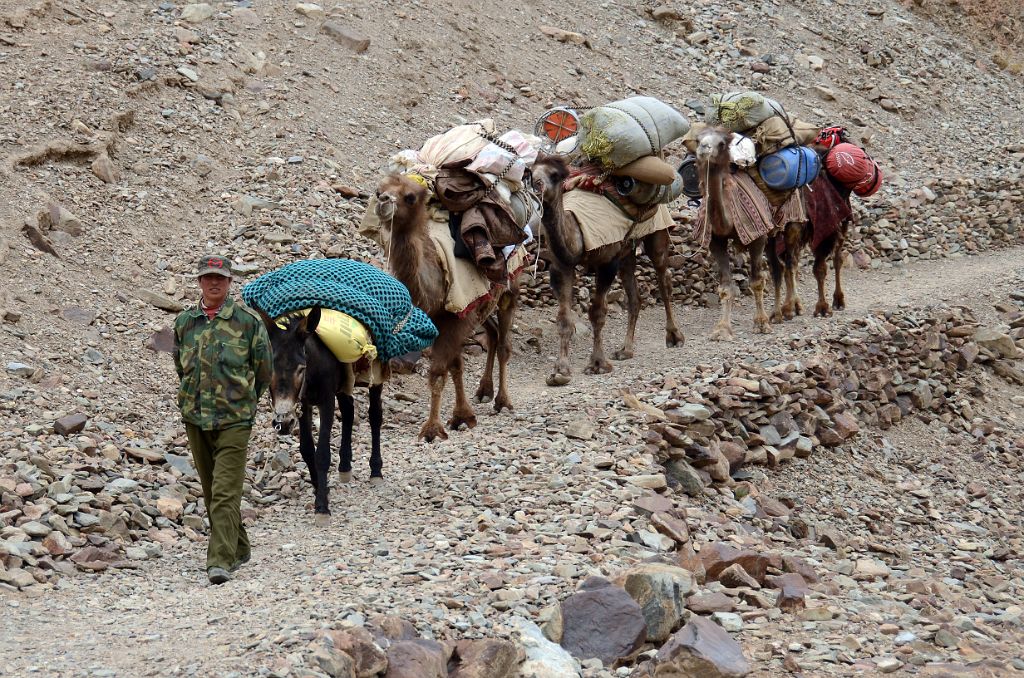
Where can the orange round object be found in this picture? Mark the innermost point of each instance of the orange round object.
(559, 124)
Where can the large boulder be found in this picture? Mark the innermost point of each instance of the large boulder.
(701, 649)
(488, 658)
(544, 659)
(661, 592)
(718, 557)
(418, 658)
(357, 643)
(602, 621)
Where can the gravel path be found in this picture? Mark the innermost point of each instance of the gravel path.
(463, 534)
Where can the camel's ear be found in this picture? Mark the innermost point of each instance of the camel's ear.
(309, 322)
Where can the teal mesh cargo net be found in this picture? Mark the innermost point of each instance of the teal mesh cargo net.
(368, 294)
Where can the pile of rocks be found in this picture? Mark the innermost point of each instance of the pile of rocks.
(873, 371)
(72, 499)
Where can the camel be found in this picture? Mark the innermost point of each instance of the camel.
(402, 202)
(799, 235)
(713, 166)
(565, 251)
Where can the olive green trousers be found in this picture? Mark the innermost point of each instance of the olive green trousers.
(219, 457)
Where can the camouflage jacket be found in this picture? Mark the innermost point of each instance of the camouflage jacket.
(224, 365)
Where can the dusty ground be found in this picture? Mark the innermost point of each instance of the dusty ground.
(409, 548)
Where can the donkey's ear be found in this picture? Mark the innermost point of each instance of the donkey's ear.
(310, 321)
(267, 320)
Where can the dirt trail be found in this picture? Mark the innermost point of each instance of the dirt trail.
(164, 619)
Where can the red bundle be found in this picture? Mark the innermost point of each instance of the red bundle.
(854, 169)
(830, 136)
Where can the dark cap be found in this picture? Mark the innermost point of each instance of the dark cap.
(214, 264)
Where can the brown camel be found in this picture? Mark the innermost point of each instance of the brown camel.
(564, 251)
(713, 166)
(828, 210)
(402, 203)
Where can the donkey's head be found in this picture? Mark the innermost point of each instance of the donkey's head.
(287, 386)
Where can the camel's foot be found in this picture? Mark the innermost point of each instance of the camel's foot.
(788, 312)
(839, 301)
(433, 430)
(322, 519)
(722, 332)
(502, 402)
(761, 324)
(485, 393)
(798, 307)
(345, 476)
(459, 420)
(598, 366)
(778, 318)
(821, 310)
(377, 480)
(622, 354)
(674, 337)
(559, 378)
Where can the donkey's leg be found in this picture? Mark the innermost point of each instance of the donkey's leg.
(658, 246)
(756, 249)
(598, 314)
(463, 412)
(506, 313)
(376, 421)
(563, 284)
(627, 276)
(777, 267)
(726, 289)
(348, 409)
(307, 446)
(838, 298)
(820, 271)
(322, 459)
(485, 391)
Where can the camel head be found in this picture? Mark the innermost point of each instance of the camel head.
(548, 173)
(713, 146)
(399, 198)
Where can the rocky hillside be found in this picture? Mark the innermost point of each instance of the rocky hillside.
(841, 497)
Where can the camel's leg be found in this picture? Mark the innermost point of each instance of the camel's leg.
(506, 313)
(838, 298)
(794, 243)
(462, 413)
(761, 324)
(347, 406)
(485, 391)
(820, 270)
(657, 246)
(563, 282)
(627, 276)
(726, 290)
(433, 428)
(598, 314)
(376, 421)
(777, 267)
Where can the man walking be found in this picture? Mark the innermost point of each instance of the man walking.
(222, 355)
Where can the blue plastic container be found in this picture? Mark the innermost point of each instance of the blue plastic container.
(789, 168)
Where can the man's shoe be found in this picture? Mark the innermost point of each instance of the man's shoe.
(218, 575)
(238, 563)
